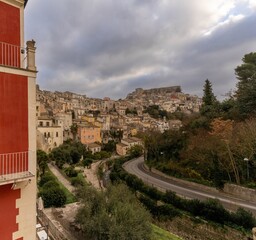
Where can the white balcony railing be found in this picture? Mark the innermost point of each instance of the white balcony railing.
(12, 55)
(15, 166)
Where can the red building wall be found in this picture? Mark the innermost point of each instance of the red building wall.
(8, 211)
(10, 50)
(13, 113)
(9, 24)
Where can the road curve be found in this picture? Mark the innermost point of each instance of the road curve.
(181, 188)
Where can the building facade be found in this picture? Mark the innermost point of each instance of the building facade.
(49, 135)
(17, 126)
(126, 144)
(88, 133)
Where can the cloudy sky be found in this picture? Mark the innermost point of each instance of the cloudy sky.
(110, 47)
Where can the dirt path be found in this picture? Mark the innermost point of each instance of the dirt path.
(61, 178)
(62, 217)
(91, 175)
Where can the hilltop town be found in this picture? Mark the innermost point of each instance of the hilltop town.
(64, 115)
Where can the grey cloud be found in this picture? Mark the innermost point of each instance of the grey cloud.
(108, 48)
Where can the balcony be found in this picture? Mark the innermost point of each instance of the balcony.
(15, 167)
(12, 55)
(18, 57)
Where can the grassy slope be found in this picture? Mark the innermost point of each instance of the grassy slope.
(161, 234)
(70, 197)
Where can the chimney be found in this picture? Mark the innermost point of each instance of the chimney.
(31, 50)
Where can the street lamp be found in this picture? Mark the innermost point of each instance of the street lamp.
(247, 166)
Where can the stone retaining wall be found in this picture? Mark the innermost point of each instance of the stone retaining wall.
(190, 184)
(232, 189)
(241, 192)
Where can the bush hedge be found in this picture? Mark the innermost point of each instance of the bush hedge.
(50, 191)
(210, 209)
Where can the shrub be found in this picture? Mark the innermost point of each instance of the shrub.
(153, 193)
(77, 181)
(53, 197)
(148, 203)
(87, 162)
(167, 212)
(71, 172)
(243, 218)
(46, 178)
(172, 198)
(50, 184)
(105, 154)
(133, 182)
(75, 155)
(213, 210)
(195, 207)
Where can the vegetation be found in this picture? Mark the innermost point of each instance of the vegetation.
(210, 149)
(211, 146)
(112, 214)
(53, 192)
(50, 191)
(210, 156)
(246, 86)
(135, 151)
(42, 159)
(78, 181)
(110, 146)
(131, 111)
(172, 205)
(74, 129)
(53, 196)
(210, 103)
(71, 152)
(155, 112)
(161, 234)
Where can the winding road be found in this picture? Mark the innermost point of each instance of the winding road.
(184, 189)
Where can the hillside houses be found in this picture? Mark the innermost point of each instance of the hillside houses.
(126, 144)
(49, 135)
(100, 120)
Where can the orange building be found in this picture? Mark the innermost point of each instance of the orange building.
(88, 133)
(17, 126)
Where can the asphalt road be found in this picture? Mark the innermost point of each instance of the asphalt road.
(182, 189)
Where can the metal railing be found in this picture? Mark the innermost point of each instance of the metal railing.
(12, 55)
(14, 166)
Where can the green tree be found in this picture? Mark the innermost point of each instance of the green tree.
(246, 86)
(110, 146)
(71, 172)
(61, 156)
(152, 142)
(42, 159)
(172, 143)
(155, 112)
(135, 151)
(53, 197)
(112, 214)
(209, 100)
(75, 155)
(47, 177)
(228, 109)
(87, 162)
(73, 130)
